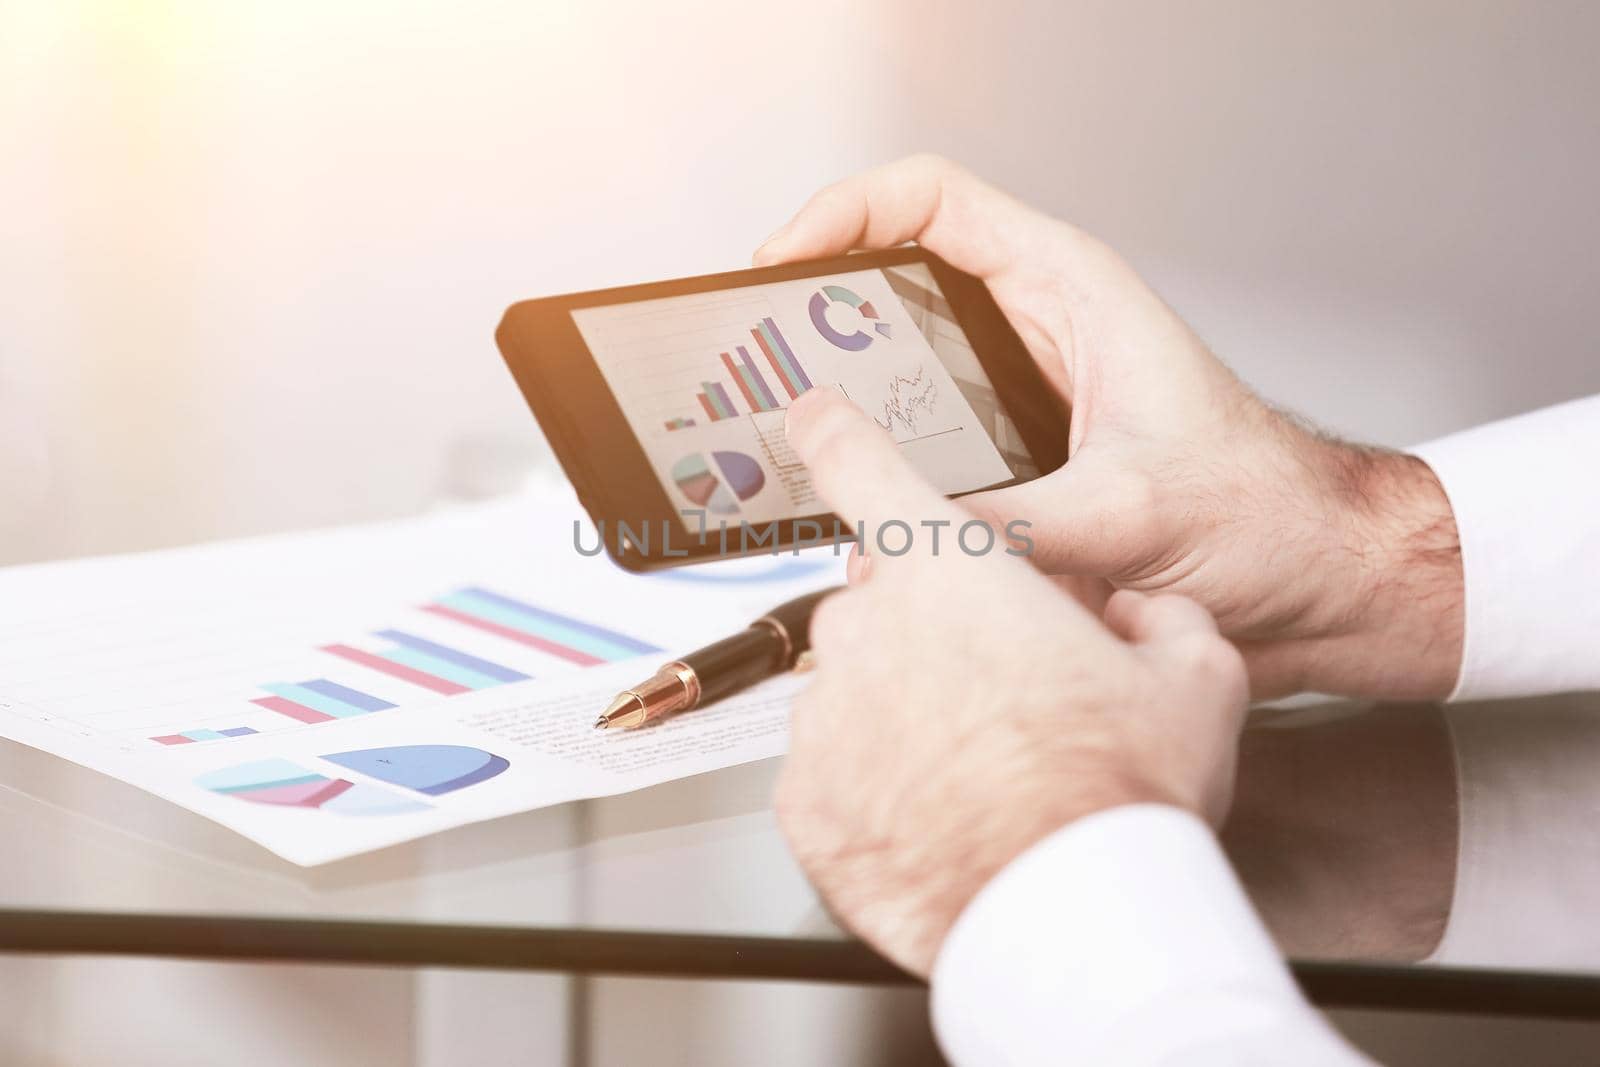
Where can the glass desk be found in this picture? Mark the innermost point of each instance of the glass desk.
(687, 879)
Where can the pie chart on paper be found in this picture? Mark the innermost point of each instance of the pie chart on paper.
(431, 769)
(285, 784)
(720, 482)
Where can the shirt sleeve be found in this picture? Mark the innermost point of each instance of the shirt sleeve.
(1526, 498)
(1124, 938)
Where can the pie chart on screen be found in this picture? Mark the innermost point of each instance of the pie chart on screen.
(720, 482)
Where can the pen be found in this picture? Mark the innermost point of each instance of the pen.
(768, 646)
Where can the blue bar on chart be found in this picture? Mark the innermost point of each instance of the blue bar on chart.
(319, 700)
(446, 662)
(188, 737)
(551, 632)
(355, 698)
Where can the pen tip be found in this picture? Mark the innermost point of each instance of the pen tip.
(600, 723)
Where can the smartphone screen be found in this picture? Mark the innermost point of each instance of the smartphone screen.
(703, 380)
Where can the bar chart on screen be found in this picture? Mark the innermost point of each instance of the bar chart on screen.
(703, 360)
(750, 379)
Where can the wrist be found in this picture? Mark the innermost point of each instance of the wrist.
(1397, 628)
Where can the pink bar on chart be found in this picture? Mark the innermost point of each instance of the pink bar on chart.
(744, 387)
(174, 739)
(396, 670)
(572, 655)
(301, 794)
(295, 711)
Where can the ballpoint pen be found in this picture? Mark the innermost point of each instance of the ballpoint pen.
(770, 645)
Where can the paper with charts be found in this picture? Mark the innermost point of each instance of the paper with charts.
(704, 381)
(330, 693)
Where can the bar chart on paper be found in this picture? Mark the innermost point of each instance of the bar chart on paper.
(331, 692)
(420, 665)
(467, 640)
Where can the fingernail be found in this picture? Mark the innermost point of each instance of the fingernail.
(858, 566)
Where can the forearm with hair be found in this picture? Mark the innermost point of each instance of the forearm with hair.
(1390, 593)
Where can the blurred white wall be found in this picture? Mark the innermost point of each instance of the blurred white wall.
(1381, 214)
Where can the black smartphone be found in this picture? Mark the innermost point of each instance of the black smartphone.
(664, 402)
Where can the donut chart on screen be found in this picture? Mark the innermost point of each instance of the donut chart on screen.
(838, 294)
(720, 483)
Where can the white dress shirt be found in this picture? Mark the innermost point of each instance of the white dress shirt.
(1125, 938)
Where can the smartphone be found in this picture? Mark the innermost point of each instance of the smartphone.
(664, 402)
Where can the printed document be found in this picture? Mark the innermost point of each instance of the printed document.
(329, 693)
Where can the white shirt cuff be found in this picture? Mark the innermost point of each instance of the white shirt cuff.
(1525, 503)
(1124, 938)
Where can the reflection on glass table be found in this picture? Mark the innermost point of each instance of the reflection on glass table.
(1346, 829)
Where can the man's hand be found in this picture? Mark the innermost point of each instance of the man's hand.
(1332, 567)
(964, 707)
